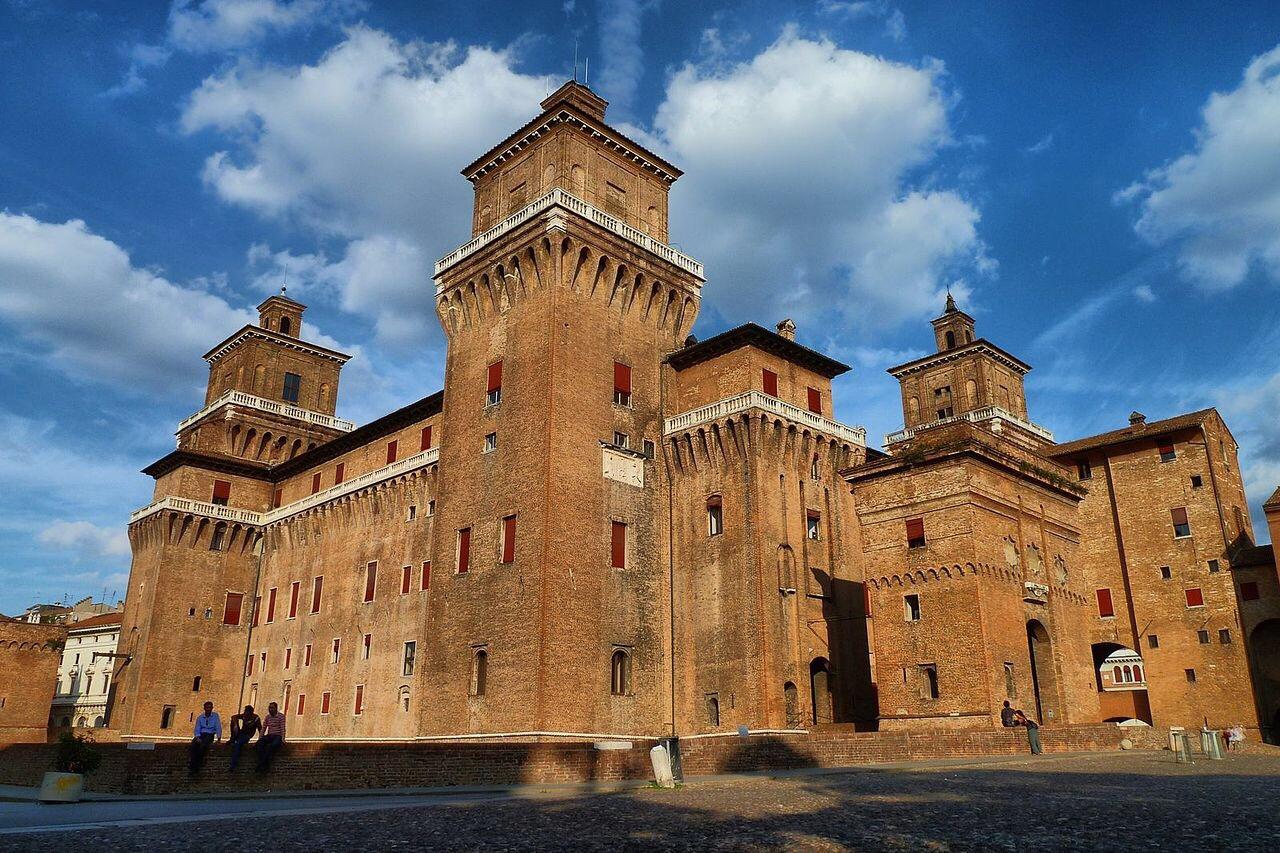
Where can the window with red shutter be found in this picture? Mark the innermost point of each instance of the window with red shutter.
(231, 610)
(464, 551)
(257, 608)
(317, 587)
(1105, 607)
(426, 438)
(250, 669)
(324, 702)
(406, 579)
(315, 482)
(340, 473)
(391, 451)
(1195, 597)
(509, 539)
(915, 533)
(1167, 453)
(815, 401)
(221, 492)
(306, 655)
(866, 600)
(277, 499)
(493, 384)
(302, 703)
(426, 575)
(294, 588)
(271, 605)
(1181, 525)
(1249, 590)
(770, 382)
(618, 545)
(359, 703)
(621, 384)
(370, 580)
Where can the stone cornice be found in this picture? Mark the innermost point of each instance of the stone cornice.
(978, 347)
(252, 332)
(208, 462)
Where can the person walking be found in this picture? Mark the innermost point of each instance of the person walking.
(1006, 716)
(272, 737)
(243, 728)
(1033, 731)
(208, 728)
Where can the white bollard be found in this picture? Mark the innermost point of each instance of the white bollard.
(662, 767)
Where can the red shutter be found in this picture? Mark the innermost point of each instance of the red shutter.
(271, 604)
(315, 482)
(221, 491)
(618, 545)
(495, 377)
(866, 599)
(250, 665)
(277, 499)
(464, 550)
(302, 703)
(317, 587)
(391, 451)
(915, 529)
(257, 608)
(426, 438)
(405, 575)
(293, 598)
(324, 702)
(426, 575)
(509, 539)
(340, 473)
(622, 377)
(231, 610)
(770, 383)
(359, 699)
(1179, 515)
(306, 655)
(370, 581)
(1166, 448)
(1195, 598)
(815, 401)
(1105, 607)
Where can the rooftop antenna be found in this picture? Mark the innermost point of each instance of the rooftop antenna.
(586, 74)
(575, 60)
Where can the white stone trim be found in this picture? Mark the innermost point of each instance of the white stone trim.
(762, 401)
(283, 340)
(957, 353)
(240, 398)
(987, 413)
(562, 199)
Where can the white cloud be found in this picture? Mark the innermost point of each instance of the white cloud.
(797, 193)
(1144, 293)
(1219, 205)
(622, 57)
(85, 539)
(1041, 145)
(218, 25)
(895, 24)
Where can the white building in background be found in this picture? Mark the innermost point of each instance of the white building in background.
(84, 676)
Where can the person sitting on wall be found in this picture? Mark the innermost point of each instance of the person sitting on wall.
(1006, 716)
(1033, 731)
(208, 728)
(243, 727)
(272, 737)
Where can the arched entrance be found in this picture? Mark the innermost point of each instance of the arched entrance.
(1044, 679)
(1264, 646)
(820, 685)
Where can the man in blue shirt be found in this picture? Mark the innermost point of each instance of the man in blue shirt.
(208, 728)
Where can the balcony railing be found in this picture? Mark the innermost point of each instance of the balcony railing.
(762, 401)
(260, 519)
(559, 198)
(240, 398)
(988, 413)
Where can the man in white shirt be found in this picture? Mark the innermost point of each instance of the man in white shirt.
(208, 728)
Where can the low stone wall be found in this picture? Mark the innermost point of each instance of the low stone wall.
(338, 766)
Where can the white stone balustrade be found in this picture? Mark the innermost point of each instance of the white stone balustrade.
(762, 401)
(240, 398)
(987, 413)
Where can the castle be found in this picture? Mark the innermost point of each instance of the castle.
(603, 528)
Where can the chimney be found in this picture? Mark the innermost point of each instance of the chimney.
(1137, 419)
(787, 329)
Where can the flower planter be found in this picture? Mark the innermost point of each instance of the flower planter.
(61, 787)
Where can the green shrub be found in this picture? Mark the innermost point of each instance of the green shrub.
(76, 754)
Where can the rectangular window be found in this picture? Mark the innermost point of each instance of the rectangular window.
(317, 588)
(431, 507)
(462, 562)
(1105, 607)
(358, 706)
(294, 589)
(618, 544)
(621, 384)
(411, 513)
(1191, 675)
(649, 449)
(508, 539)
(426, 575)
(911, 608)
(813, 525)
(493, 384)
(257, 608)
(271, 605)
(337, 650)
(815, 401)
(324, 702)
(292, 387)
(1197, 481)
(1166, 573)
(339, 473)
(491, 442)
(1153, 641)
(928, 680)
(262, 661)
(306, 655)
(1084, 470)
(366, 646)
(392, 446)
(715, 516)
(1181, 526)
(1167, 453)
(621, 439)
(1224, 636)
(1249, 591)
(302, 703)
(249, 670)
(410, 650)
(915, 533)
(1213, 566)
(231, 609)
(277, 499)
(426, 438)
(315, 482)
(288, 657)
(406, 579)
(370, 581)
(221, 492)
(1195, 598)
(770, 382)
(1203, 636)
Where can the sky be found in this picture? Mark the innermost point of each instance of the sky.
(1097, 183)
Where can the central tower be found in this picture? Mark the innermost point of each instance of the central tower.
(558, 312)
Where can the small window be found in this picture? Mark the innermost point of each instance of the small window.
(1191, 675)
(357, 707)
(1249, 591)
(491, 442)
(221, 492)
(271, 605)
(1224, 636)
(166, 717)
(366, 646)
(426, 575)
(620, 673)
(1203, 636)
(370, 581)
(621, 384)
(1213, 566)
(462, 563)
(815, 400)
(337, 650)
(1105, 607)
(621, 439)
(425, 444)
(257, 609)
(911, 607)
(217, 540)
(507, 540)
(618, 544)
(479, 671)
(288, 657)
(292, 386)
(317, 590)
(411, 513)
(1153, 641)
(306, 655)
(1181, 526)
(1084, 471)
(324, 702)
(231, 609)
(339, 473)
(392, 448)
(1010, 683)
(1166, 572)
(1195, 597)
(302, 703)
(431, 507)
(406, 579)
(493, 384)
(294, 590)
(286, 327)
(195, 684)
(1196, 481)
(915, 533)
(715, 516)
(410, 651)
(813, 525)
(951, 340)
(277, 498)
(650, 449)
(1167, 453)
(928, 680)
(815, 467)
(770, 382)
(713, 709)
(315, 482)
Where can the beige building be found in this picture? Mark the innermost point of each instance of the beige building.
(84, 675)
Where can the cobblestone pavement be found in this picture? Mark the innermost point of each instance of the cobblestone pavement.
(1111, 802)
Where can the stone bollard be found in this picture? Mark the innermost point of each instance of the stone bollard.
(662, 767)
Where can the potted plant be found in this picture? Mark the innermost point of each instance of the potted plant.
(76, 755)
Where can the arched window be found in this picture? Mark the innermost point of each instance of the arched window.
(99, 722)
(166, 718)
(1128, 675)
(219, 534)
(1137, 673)
(479, 671)
(1116, 675)
(813, 466)
(404, 697)
(620, 671)
(286, 326)
(715, 515)
(82, 722)
(195, 684)
(951, 340)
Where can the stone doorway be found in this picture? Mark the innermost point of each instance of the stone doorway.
(820, 685)
(1044, 680)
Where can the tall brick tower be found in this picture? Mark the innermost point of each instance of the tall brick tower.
(196, 548)
(550, 547)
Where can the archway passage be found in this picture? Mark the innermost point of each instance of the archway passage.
(820, 685)
(1264, 647)
(1120, 676)
(1044, 678)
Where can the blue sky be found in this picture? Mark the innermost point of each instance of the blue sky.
(1098, 183)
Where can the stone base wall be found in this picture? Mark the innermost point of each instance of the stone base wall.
(340, 766)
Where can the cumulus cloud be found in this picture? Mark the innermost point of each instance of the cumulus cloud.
(622, 60)
(895, 24)
(1219, 205)
(85, 539)
(797, 190)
